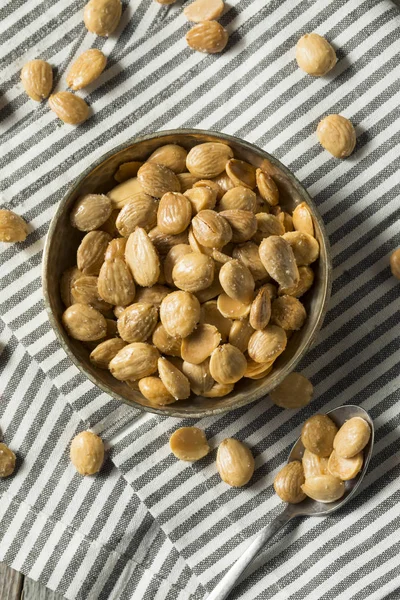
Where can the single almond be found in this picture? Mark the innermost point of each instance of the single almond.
(172, 258)
(305, 247)
(141, 211)
(207, 36)
(267, 187)
(260, 312)
(126, 192)
(102, 16)
(84, 290)
(104, 352)
(174, 380)
(209, 159)
(288, 312)
(90, 212)
(189, 444)
(240, 334)
(137, 322)
(86, 68)
(248, 255)
(134, 361)
(198, 346)
(235, 462)
(115, 283)
(171, 156)
(174, 213)
(277, 256)
(91, 252)
(85, 323)
(237, 281)
(157, 180)
(211, 230)
(116, 249)
(302, 219)
(199, 376)
(288, 482)
(231, 308)
(241, 173)
(201, 198)
(69, 108)
(267, 344)
(243, 224)
(142, 258)
(180, 313)
(155, 391)
(12, 227)
(239, 198)
(193, 272)
(37, 79)
(167, 344)
(227, 364)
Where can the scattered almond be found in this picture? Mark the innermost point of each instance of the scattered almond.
(69, 108)
(12, 227)
(86, 69)
(37, 79)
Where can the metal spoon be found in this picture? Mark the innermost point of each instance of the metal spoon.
(308, 507)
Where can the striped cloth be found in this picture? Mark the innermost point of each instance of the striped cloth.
(149, 526)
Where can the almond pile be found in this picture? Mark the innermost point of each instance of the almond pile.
(189, 275)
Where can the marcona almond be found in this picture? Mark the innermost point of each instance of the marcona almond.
(243, 224)
(302, 219)
(219, 390)
(208, 36)
(288, 482)
(171, 156)
(8, 461)
(141, 211)
(127, 170)
(104, 352)
(157, 180)
(241, 173)
(227, 364)
(224, 182)
(267, 225)
(86, 68)
(305, 247)
(288, 312)
(196, 246)
(174, 213)
(66, 282)
(163, 242)
(134, 361)
(172, 258)
(260, 312)
(125, 192)
(208, 160)
(84, 291)
(201, 198)
(142, 258)
(239, 198)
(267, 344)
(69, 108)
(209, 183)
(235, 462)
(324, 488)
(345, 468)
(193, 272)
(153, 295)
(337, 135)
(90, 212)
(267, 187)
(295, 391)
(187, 181)
(91, 252)
(116, 249)
(240, 334)
(306, 279)
(155, 391)
(211, 315)
(237, 281)
(199, 376)
(395, 263)
(102, 16)
(204, 10)
(85, 323)
(314, 465)
(352, 437)
(87, 453)
(166, 344)
(12, 227)
(286, 221)
(255, 370)
(231, 308)
(315, 55)
(199, 345)
(137, 322)
(109, 225)
(189, 444)
(248, 255)
(211, 230)
(37, 79)
(174, 380)
(277, 256)
(318, 433)
(180, 313)
(115, 282)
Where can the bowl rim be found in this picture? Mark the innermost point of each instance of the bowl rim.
(172, 410)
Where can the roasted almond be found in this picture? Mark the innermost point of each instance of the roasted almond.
(125, 192)
(167, 344)
(174, 380)
(211, 230)
(86, 68)
(8, 461)
(240, 334)
(84, 323)
(102, 16)
(256, 370)
(267, 187)
(90, 212)
(199, 376)
(137, 322)
(141, 211)
(241, 173)
(163, 242)
(267, 344)
(352, 437)
(115, 283)
(277, 256)
(116, 249)
(306, 279)
(134, 361)
(153, 295)
(155, 391)
(288, 482)
(337, 135)
(172, 258)
(171, 156)
(318, 434)
(235, 462)
(37, 79)
(260, 312)
(239, 198)
(295, 391)
(231, 308)
(187, 181)
(104, 352)
(193, 272)
(198, 346)
(157, 180)
(211, 315)
(84, 291)
(204, 10)
(314, 465)
(127, 170)
(219, 390)
(237, 281)
(243, 224)
(288, 312)
(208, 36)
(267, 225)
(142, 258)
(174, 213)
(12, 227)
(91, 252)
(208, 160)
(302, 219)
(69, 108)
(189, 444)
(180, 313)
(305, 247)
(227, 364)
(201, 198)
(324, 488)
(345, 468)
(248, 255)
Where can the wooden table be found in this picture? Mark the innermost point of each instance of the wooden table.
(14, 586)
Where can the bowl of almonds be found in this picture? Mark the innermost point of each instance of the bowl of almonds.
(186, 273)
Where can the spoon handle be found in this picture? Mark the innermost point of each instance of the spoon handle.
(230, 578)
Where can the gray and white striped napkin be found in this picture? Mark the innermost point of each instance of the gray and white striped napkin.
(153, 527)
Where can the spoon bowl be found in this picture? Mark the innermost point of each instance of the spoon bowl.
(308, 507)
